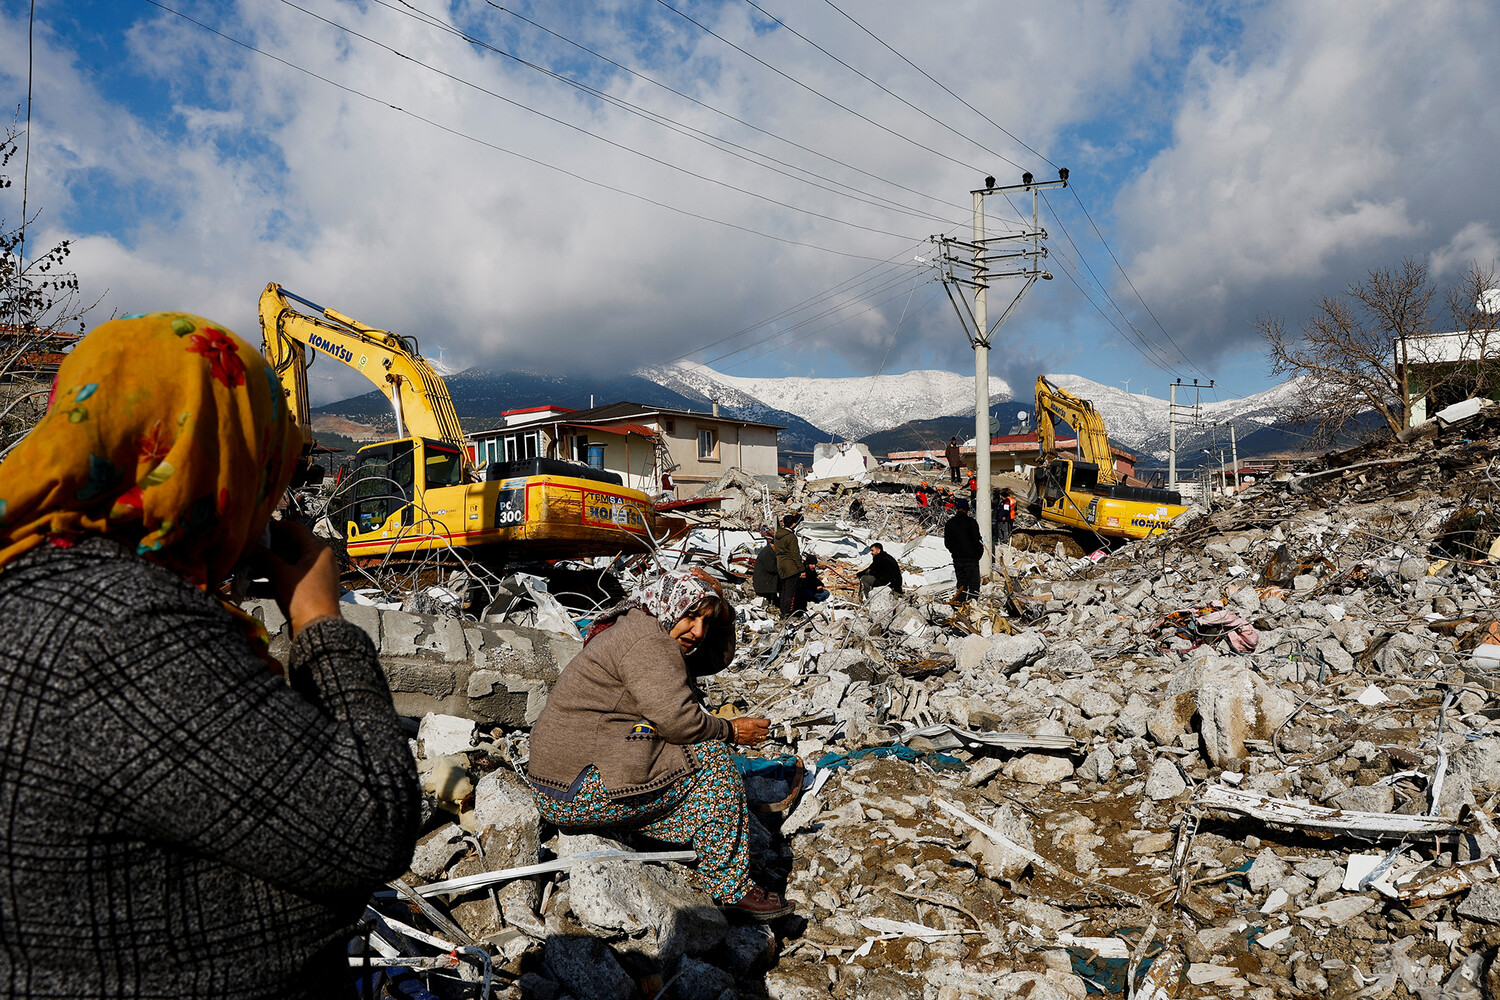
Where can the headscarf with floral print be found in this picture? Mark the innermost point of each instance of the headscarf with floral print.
(669, 598)
(166, 432)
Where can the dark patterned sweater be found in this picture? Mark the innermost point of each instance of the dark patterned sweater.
(174, 821)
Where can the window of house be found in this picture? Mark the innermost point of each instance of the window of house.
(531, 446)
(708, 443)
(580, 447)
(670, 426)
(510, 448)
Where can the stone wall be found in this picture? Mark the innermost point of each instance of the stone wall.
(495, 674)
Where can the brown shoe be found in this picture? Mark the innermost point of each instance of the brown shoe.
(759, 905)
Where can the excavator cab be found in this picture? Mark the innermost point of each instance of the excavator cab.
(384, 481)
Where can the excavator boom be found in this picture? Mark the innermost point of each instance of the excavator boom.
(1055, 405)
(1090, 495)
(421, 494)
(418, 395)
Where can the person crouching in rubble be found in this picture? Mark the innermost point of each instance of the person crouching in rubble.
(175, 819)
(624, 743)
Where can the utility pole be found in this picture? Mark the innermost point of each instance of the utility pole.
(1234, 456)
(1172, 421)
(975, 321)
(1172, 436)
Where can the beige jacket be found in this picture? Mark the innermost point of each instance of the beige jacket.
(632, 672)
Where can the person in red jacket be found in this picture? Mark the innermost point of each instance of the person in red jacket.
(1005, 515)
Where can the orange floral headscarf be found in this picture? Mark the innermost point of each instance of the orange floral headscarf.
(165, 432)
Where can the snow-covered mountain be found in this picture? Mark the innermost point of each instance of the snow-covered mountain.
(857, 407)
(1139, 421)
(847, 407)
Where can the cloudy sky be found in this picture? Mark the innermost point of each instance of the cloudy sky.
(600, 185)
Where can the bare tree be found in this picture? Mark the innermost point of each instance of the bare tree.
(39, 301)
(1470, 355)
(1354, 352)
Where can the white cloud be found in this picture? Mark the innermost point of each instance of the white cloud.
(1337, 137)
(262, 173)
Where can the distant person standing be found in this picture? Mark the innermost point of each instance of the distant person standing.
(789, 564)
(883, 571)
(1005, 515)
(766, 580)
(961, 536)
(955, 459)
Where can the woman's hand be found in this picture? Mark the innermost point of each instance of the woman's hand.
(304, 574)
(748, 731)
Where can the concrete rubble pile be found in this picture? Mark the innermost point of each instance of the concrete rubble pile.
(1257, 757)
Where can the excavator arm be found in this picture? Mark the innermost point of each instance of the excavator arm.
(1055, 405)
(418, 395)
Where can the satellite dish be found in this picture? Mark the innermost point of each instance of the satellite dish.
(1022, 415)
(1489, 301)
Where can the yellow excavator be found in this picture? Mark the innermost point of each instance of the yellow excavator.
(421, 493)
(1089, 494)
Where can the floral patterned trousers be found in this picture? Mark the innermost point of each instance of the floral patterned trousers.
(706, 811)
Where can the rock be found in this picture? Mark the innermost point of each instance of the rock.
(1070, 658)
(970, 652)
(996, 860)
(1245, 601)
(1165, 781)
(751, 947)
(1367, 798)
(1226, 707)
(1097, 703)
(535, 987)
(829, 691)
(1351, 635)
(436, 850)
(1482, 904)
(1338, 911)
(1039, 769)
(1009, 653)
(1482, 760)
(500, 699)
(663, 914)
(509, 830)
(587, 967)
(881, 608)
(1097, 766)
(695, 980)
(1304, 582)
(1267, 870)
(1413, 568)
(442, 735)
(1333, 651)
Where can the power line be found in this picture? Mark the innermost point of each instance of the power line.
(457, 133)
(1002, 129)
(593, 135)
(719, 111)
(1104, 291)
(810, 334)
(882, 268)
(813, 90)
(887, 283)
(883, 87)
(26, 158)
(1138, 298)
(719, 143)
(1035, 152)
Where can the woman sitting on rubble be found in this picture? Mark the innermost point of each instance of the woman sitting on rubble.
(624, 742)
(175, 819)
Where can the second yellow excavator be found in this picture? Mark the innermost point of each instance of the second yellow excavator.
(421, 493)
(1089, 494)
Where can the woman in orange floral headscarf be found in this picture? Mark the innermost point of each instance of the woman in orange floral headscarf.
(194, 806)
